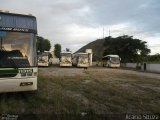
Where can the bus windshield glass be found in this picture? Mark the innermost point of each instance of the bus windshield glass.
(115, 60)
(43, 57)
(17, 49)
(83, 55)
(66, 54)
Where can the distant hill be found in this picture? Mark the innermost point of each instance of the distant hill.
(128, 48)
(97, 47)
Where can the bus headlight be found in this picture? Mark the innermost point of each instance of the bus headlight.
(26, 83)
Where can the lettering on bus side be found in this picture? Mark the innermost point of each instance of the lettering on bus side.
(25, 70)
(17, 29)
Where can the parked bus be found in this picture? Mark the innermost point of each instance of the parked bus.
(18, 56)
(81, 60)
(66, 59)
(44, 59)
(111, 61)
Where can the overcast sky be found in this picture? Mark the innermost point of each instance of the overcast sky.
(74, 23)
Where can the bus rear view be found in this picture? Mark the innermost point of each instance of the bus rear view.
(18, 57)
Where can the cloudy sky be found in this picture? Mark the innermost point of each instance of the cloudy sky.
(74, 23)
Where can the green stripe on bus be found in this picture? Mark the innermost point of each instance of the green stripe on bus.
(9, 71)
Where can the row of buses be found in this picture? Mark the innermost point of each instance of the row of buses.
(84, 60)
(77, 59)
(66, 59)
(18, 55)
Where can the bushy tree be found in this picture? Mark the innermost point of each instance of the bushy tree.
(57, 50)
(43, 44)
(154, 58)
(128, 48)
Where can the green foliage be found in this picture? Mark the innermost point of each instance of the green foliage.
(57, 50)
(47, 44)
(128, 48)
(43, 44)
(154, 58)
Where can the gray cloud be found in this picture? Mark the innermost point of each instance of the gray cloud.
(141, 13)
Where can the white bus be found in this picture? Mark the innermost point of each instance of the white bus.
(18, 56)
(111, 61)
(44, 59)
(66, 59)
(81, 60)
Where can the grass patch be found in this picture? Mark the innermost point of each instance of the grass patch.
(95, 93)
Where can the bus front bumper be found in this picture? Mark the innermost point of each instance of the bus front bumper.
(83, 65)
(65, 65)
(43, 64)
(115, 65)
(18, 84)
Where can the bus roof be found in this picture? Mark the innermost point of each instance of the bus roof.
(16, 14)
(80, 53)
(14, 22)
(66, 52)
(111, 56)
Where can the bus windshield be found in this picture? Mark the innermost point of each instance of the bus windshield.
(115, 60)
(17, 49)
(83, 55)
(66, 54)
(43, 57)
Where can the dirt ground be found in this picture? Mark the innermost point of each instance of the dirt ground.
(102, 74)
(107, 72)
(95, 91)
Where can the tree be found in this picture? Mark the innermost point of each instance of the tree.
(154, 58)
(57, 50)
(128, 48)
(43, 44)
